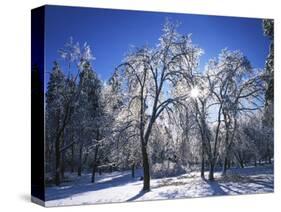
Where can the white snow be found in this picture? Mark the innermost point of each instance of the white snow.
(120, 187)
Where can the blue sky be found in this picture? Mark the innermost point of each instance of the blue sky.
(111, 32)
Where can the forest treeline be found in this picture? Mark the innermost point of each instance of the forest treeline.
(160, 111)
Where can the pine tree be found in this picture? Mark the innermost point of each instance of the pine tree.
(54, 114)
(88, 113)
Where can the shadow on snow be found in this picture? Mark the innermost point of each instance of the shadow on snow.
(83, 184)
(246, 184)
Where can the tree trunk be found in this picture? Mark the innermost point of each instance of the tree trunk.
(95, 165)
(100, 172)
(58, 156)
(211, 171)
(58, 159)
(269, 159)
(225, 163)
(228, 164)
(241, 163)
(133, 170)
(203, 168)
(79, 171)
(62, 169)
(62, 165)
(202, 164)
(94, 172)
(146, 174)
(72, 158)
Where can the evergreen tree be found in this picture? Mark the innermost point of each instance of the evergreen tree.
(88, 112)
(54, 114)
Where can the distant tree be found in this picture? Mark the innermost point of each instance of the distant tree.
(268, 27)
(251, 142)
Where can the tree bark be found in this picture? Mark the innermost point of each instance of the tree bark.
(62, 165)
(58, 154)
(225, 163)
(72, 158)
(62, 169)
(228, 164)
(58, 159)
(133, 170)
(94, 173)
(95, 165)
(240, 160)
(146, 174)
(211, 171)
(241, 163)
(100, 172)
(79, 171)
(202, 164)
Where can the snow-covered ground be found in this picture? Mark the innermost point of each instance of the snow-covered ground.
(120, 187)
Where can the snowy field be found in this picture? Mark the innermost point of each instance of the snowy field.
(120, 187)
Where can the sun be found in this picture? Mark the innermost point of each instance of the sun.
(194, 93)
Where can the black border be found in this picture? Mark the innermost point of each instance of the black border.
(37, 102)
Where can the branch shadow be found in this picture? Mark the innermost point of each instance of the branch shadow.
(215, 187)
(55, 193)
(140, 194)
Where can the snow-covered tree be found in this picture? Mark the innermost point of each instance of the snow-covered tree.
(55, 111)
(233, 88)
(148, 73)
(70, 94)
(87, 109)
(268, 27)
(159, 111)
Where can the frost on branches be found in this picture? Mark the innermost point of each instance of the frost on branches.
(160, 116)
